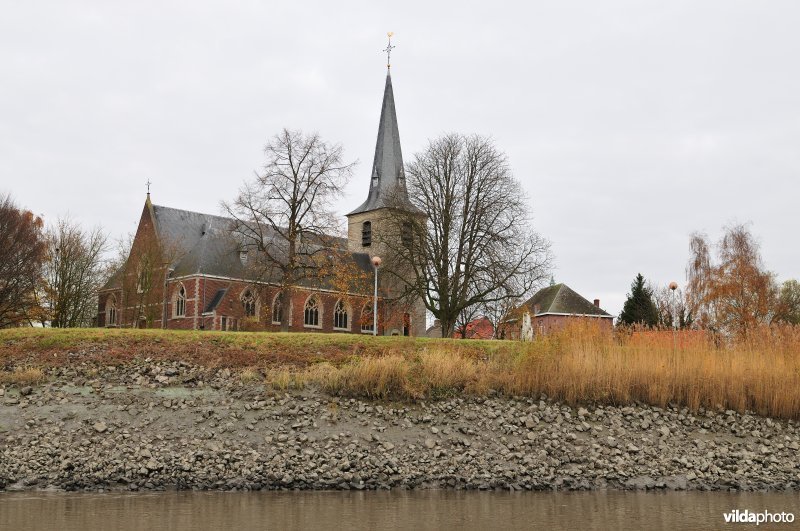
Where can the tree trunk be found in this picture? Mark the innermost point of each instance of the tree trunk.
(448, 326)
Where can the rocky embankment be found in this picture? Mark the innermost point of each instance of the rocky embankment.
(177, 426)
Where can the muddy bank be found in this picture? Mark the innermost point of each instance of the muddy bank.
(166, 425)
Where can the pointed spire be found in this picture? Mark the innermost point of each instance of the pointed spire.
(388, 178)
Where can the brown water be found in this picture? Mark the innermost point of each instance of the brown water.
(419, 510)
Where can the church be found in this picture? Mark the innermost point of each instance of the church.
(186, 269)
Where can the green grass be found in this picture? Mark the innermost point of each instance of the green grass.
(53, 346)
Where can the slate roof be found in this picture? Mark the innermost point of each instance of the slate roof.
(561, 299)
(198, 243)
(212, 305)
(387, 186)
(205, 244)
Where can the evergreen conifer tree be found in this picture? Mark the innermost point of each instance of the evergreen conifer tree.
(639, 308)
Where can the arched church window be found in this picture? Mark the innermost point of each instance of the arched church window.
(366, 234)
(111, 310)
(340, 316)
(311, 312)
(367, 324)
(277, 309)
(180, 302)
(249, 303)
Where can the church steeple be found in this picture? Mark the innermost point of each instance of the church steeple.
(387, 186)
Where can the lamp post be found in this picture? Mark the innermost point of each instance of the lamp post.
(55, 306)
(673, 286)
(376, 263)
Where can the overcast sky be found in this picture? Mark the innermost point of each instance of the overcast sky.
(630, 124)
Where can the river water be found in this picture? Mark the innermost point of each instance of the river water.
(417, 510)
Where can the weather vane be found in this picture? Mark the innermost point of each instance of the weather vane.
(388, 51)
(148, 183)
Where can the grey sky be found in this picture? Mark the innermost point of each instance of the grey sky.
(630, 124)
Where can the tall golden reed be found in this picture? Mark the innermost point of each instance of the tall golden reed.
(583, 364)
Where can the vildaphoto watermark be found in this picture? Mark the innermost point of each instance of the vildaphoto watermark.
(738, 516)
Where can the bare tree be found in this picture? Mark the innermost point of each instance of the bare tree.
(478, 235)
(467, 315)
(287, 213)
(671, 305)
(499, 308)
(73, 272)
(735, 294)
(22, 251)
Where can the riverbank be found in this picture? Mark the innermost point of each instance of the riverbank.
(157, 424)
(580, 365)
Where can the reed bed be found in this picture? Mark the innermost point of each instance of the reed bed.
(583, 365)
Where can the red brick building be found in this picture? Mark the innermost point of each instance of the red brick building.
(478, 328)
(550, 310)
(186, 270)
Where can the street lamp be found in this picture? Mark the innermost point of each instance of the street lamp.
(673, 286)
(376, 263)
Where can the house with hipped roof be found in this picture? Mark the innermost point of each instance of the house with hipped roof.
(551, 309)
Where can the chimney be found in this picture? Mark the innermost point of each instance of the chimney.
(597, 302)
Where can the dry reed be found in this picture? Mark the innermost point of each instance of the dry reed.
(583, 364)
(22, 376)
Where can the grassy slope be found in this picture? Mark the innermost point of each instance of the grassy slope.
(229, 349)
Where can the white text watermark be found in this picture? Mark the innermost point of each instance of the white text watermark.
(746, 516)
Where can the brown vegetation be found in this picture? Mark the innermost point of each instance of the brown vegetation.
(22, 376)
(22, 250)
(735, 294)
(579, 365)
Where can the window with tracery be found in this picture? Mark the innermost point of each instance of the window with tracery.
(277, 309)
(111, 311)
(180, 302)
(367, 324)
(340, 317)
(249, 304)
(311, 312)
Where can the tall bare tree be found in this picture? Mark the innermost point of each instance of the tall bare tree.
(673, 310)
(736, 293)
(73, 272)
(287, 213)
(22, 252)
(478, 235)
